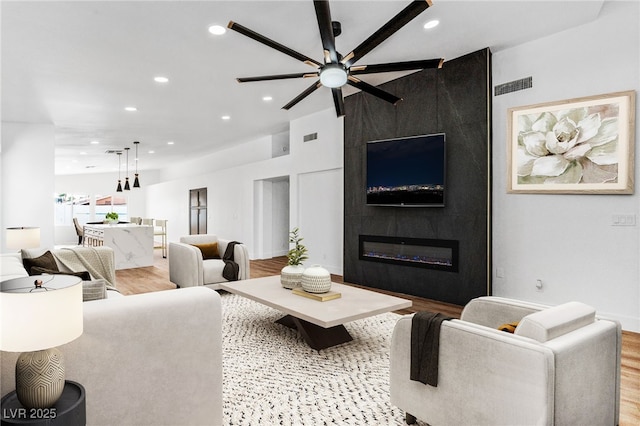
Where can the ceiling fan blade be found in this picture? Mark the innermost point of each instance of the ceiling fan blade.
(273, 44)
(276, 77)
(323, 14)
(338, 101)
(303, 95)
(373, 90)
(414, 8)
(396, 66)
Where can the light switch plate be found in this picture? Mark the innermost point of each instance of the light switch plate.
(623, 220)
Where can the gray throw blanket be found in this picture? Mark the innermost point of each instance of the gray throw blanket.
(231, 268)
(100, 266)
(425, 345)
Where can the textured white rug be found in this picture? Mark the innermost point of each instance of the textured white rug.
(271, 376)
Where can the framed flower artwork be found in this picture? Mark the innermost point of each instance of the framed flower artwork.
(583, 145)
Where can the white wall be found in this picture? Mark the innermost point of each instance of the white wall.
(316, 188)
(229, 157)
(26, 162)
(568, 241)
(231, 190)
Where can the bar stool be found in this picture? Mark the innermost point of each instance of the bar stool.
(160, 229)
(79, 231)
(147, 222)
(136, 220)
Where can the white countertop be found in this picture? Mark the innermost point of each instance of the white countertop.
(116, 225)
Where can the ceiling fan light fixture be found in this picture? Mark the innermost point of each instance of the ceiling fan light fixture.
(333, 76)
(338, 70)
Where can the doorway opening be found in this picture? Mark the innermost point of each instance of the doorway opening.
(271, 217)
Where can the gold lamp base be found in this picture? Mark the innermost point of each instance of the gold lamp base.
(40, 378)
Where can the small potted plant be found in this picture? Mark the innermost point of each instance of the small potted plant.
(111, 217)
(291, 275)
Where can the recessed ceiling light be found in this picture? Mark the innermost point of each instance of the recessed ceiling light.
(130, 108)
(217, 29)
(267, 98)
(152, 152)
(95, 142)
(431, 24)
(226, 117)
(83, 153)
(161, 79)
(170, 143)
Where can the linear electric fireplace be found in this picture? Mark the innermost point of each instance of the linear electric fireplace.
(419, 252)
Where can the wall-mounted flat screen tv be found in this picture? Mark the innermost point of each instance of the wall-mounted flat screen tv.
(407, 171)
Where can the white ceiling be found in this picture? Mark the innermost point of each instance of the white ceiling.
(78, 64)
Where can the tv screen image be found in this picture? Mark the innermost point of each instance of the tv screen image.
(407, 171)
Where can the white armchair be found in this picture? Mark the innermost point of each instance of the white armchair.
(560, 367)
(187, 267)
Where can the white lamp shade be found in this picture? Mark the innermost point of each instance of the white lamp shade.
(23, 238)
(40, 319)
(333, 77)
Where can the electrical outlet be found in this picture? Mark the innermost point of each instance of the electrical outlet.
(499, 272)
(539, 285)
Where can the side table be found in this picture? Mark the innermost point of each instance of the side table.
(70, 410)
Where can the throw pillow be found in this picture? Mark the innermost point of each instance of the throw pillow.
(46, 261)
(31, 253)
(509, 327)
(84, 275)
(209, 251)
(94, 290)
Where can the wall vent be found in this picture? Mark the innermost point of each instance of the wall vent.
(513, 86)
(310, 137)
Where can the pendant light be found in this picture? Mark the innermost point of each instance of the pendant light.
(126, 177)
(136, 181)
(119, 188)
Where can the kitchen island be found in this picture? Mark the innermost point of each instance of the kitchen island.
(132, 244)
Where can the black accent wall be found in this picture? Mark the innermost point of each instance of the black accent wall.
(455, 100)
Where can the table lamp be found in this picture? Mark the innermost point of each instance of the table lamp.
(37, 314)
(23, 238)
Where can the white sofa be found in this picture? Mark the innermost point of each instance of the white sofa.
(135, 361)
(187, 267)
(560, 367)
(11, 264)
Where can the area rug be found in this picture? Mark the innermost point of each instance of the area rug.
(271, 376)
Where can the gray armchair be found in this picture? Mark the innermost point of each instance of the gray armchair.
(187, 267)
(560, 367)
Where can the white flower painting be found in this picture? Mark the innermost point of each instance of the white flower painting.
(581, 145)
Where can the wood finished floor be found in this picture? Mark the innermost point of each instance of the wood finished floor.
(156, 278)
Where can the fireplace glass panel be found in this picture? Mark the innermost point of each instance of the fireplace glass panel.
(425, 253)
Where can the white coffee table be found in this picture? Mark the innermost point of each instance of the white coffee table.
(321, 324)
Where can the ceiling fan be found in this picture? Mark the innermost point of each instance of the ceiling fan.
(337, 70)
